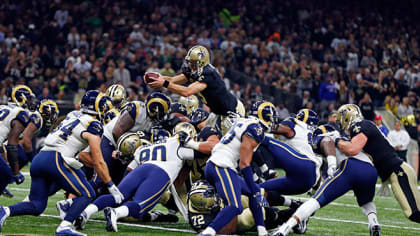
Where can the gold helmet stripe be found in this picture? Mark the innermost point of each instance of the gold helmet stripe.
(323, 129)
(261, 107)
(161, 101)
(97, 101)
(15, 89)
(306, 115)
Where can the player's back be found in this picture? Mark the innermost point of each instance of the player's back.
(227, 152)
(216, 95)
(9, 113)
(137, 111)
(67, 137)
(167, 154)
(301, 142)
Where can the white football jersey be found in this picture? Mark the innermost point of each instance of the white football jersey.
(137, 111)
(67, 137)
(301, 142)
(36, 118)
(360, 156)
(167, 154)
(226, 153)
(9, 113)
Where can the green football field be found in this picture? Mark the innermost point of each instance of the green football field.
(342, 217)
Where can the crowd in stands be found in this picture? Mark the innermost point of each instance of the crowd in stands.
(314, 54)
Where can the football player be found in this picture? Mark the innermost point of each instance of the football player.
(57, 164)
(354, 173)
(204, 204)
(44, 117)
(154, 168)
(118, 95)
(205, 81)
(238, 146)
(365, 136)
(14, 117)
(295, 154)
(191, 103)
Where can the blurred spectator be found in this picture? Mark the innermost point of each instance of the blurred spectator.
(404, 109)
(378, 122)
(167, 70)
(366, 107)
(332, 120)
(136, 37)
(399, 140)
(392, 106)
(45, 94)
(121, 75)
(83, 66)
(327, 92)
(236, 90)
(282, 111)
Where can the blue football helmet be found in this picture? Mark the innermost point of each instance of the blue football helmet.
(323, 129)
(199, 116)
(157, 105)
(308, 116)
(159, 134)
(96, 103)
(22, 96)
(180, 108)
(49, 111)
(264, 111)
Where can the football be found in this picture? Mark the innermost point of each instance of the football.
(150, 76)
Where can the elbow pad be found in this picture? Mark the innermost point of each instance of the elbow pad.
(12, 154)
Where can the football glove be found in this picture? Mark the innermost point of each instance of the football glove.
(115, 192)
(261, 201)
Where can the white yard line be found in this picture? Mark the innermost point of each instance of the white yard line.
(136, 225)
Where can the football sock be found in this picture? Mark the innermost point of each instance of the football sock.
(257, 212)
(121, 211)
(90, 210)
(369, 210)
(307, 209)
(261, 230)
(7, 210)
(105, 201)
(209, 230)
(79, 204)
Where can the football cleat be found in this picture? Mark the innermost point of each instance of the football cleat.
(67, 231)
(3, 216)
(375, 230)
(81, 221)
(301, 227)
(7, 193)
(159, 216)
(295, 204)
(63, 207)
(111, 219)
(281, 230)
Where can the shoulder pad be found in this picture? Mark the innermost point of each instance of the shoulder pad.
(290, 122)
(95, 127)
(23, 117)
(133, 109)
(358, 128)
(255, 131)
(36, 118)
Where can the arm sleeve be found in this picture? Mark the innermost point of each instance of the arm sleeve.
(255, 131)
(37, 120)
(95, 127)
(133, 109)
(185, 153)
(23, 117)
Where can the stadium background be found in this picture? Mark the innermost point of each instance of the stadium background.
(314, 54)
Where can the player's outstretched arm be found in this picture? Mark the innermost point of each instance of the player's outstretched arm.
(353, 147)
(177, 79)
(12, 142)
(283, 130)
(97, 160)
(328, 148)
(203, 147)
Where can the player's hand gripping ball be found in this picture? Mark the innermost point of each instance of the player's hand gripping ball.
(151, 76)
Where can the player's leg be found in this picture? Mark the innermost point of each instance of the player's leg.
(229, 188)
(404, 187)
(146, 197)
(331, 189)
(364, 182)
(6, 174)
(300, 170)
(127, 187)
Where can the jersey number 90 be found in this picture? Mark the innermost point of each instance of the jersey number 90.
(158, 154)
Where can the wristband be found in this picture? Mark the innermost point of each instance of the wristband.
(109, 184)
(336, 141)
(166, 84)
(193, 145)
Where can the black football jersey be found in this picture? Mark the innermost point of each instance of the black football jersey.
(216, 96)
(383, 155)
